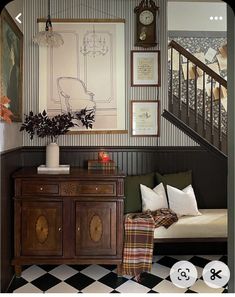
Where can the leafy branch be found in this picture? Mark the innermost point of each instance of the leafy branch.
(43, 126)
(86, 116)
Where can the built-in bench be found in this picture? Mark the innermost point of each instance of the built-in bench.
(202, 234)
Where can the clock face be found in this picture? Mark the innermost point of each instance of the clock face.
(146, 17)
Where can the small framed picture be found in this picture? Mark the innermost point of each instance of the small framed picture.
(145, 68)
(145, 118)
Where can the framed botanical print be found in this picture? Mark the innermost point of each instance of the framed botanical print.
(145, 68)
(145, 118)
(11, 52)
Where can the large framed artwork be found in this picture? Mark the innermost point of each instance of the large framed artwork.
(87, 71)
(145, 118)
(11, 63)
(145, 68)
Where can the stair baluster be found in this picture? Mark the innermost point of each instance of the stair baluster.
(187, 92)
(179, 91)
(204, 105)
(195, 96)
(219, 119)
(171, 83)
(211, 113)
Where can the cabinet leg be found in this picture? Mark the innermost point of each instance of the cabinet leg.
(119, 270)
(18, 270)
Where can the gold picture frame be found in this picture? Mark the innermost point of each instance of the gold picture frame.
(11, 65)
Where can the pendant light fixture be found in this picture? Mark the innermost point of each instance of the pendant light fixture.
(48, 37)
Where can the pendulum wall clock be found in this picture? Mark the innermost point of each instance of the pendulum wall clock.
(146, 13)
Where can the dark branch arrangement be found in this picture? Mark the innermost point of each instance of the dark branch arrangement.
(43, 126)
(86, 116)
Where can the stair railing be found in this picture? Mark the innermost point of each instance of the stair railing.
(218, 85)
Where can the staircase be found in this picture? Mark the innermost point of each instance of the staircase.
(197, 100)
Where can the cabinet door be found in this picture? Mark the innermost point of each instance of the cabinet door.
(41, 228)
(95, 228)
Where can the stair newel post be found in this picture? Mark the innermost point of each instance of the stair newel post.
(187, 91)
(211, 113)
(204, 105)
(171, 82)
(195, 98)
(219, 119)
(179, 91)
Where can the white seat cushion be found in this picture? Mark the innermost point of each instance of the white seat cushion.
(212, 223)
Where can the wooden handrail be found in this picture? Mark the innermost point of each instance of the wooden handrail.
(198, 63)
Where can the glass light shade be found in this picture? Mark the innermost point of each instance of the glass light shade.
(48, 38)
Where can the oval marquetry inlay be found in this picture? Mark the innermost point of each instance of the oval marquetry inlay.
(96, 228)
(42, 229)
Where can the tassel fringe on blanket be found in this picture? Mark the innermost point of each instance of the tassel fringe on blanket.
(138, 242)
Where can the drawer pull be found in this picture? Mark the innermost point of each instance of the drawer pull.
(78, 229)
(41, 188)
(96, 188)
(60, 229)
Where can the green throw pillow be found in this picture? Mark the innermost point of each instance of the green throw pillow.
(178, 180)
(133, 201)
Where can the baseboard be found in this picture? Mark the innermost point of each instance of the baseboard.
(191, 248)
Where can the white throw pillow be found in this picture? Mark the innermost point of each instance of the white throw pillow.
(183, 202)
(153, 199)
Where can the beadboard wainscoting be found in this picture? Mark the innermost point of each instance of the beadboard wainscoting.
(10, 161)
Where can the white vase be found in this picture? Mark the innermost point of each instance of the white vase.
(52, 155)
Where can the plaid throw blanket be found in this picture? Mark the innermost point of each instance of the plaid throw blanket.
(163, 217)
(138, 241)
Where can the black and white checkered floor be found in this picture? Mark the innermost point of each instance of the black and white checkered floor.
(103, 278)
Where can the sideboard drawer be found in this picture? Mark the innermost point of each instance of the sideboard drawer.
(39, 188)
(98, 188)
(84, 188)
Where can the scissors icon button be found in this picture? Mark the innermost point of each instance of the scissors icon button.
(215, 274)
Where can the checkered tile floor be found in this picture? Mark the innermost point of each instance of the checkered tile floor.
(103, 278)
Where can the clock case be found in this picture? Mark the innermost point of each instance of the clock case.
(149, 30)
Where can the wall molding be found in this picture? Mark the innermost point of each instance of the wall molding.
(10, 151)
(118, 148)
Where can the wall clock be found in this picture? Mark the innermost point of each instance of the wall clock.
(146, 23)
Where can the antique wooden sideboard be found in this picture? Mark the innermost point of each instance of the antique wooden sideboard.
(74, 218)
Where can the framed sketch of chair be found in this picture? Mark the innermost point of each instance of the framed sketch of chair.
(74, 95)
